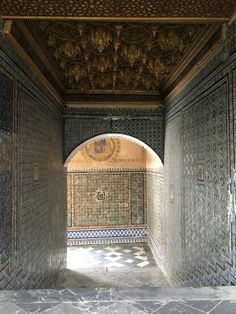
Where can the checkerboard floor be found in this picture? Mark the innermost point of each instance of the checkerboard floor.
(112, 255)
(111, 265)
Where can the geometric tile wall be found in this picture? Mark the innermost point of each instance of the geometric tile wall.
(155, 206)
(6, 170)
(173, 191)
(206, 210)
(40, 190)
(104, 233)
(32, 193)
(207, 110)
(146, 125)
(95, 201)
(137, 198)
(104, 236)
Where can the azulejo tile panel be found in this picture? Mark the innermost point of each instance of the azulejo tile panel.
(6, 169)
(32, 187)
(207, 228)
(103, 236)
(205, 111)
(137, 189)
(106, 199)
(106, 233)
(101, 199)
(155, 206)
(82, 124)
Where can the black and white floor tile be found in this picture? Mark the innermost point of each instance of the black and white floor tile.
(113, 255)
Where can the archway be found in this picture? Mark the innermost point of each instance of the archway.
(150, 167)
(115, 193)
(113, 135)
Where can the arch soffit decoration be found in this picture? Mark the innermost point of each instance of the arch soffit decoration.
(115, 136)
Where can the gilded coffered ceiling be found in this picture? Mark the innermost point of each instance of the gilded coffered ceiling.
(114, 57)
(120, 9)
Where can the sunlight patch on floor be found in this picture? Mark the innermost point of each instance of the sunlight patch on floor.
(81, 258)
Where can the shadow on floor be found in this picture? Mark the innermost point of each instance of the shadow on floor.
(112, 277)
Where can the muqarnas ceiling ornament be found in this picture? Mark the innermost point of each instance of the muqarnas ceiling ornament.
(122, 57)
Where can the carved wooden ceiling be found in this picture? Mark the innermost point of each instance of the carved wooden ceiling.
(116, 61)
(112, 57)
(121, 8)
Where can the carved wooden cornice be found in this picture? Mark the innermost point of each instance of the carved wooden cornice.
(122, 9)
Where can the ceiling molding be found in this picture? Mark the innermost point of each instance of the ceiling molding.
(197, 67)
(109, 98)
(41, 53)
(118, 10)
(169, 20)
(192, 52)
(7, 31)
(115, 105)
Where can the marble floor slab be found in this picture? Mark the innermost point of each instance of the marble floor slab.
(129, 301)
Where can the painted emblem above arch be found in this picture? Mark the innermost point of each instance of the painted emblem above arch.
(90, 146)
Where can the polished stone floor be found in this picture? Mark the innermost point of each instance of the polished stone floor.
(117, 265)
(217, 300)
(101, 286)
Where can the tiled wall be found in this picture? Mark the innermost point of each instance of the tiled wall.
(107, 235)
(199, 137)
(32, 180)
(155, 211)
(112, 199)
(6, 169)
(145, 125)
(173, 191)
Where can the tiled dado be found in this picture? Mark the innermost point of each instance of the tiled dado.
(106, 236)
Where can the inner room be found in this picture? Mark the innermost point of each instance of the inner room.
(111, 205)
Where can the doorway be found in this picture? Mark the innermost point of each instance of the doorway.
(110, 204)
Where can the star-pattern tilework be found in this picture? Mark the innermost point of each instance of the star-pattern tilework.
(114, 255)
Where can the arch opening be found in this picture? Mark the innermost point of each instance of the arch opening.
(115, 186)
(110, 182)
(118, 136)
